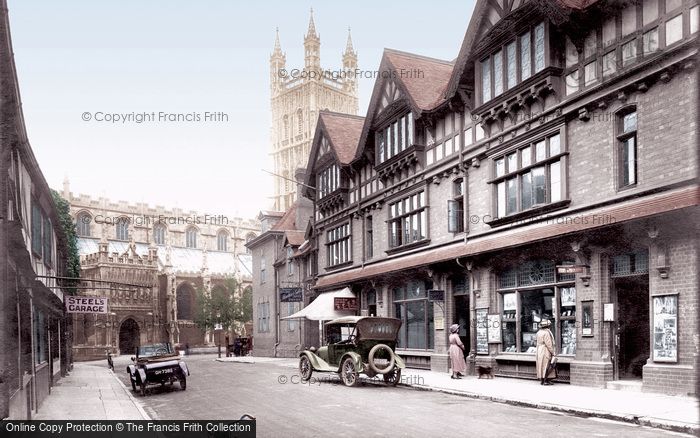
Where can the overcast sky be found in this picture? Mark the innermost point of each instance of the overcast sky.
(88, 59)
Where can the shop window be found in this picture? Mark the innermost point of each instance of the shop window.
(524, 307)
(408, 222)
(338, 245)
(40, 350)
(412, 307)
(627, 147)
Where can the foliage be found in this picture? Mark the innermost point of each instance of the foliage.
(230, 305)
(72, 256)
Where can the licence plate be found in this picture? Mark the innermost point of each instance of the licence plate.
(167, 371)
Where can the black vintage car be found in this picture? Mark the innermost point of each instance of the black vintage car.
(157, 364)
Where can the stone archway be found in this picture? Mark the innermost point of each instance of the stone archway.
(129, 336)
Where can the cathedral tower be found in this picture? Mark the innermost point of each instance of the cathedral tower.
(297, 96)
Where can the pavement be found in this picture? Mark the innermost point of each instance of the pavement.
(90, 392)
(675, 413)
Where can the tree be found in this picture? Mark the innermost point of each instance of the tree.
(72, 258)
(229, 304)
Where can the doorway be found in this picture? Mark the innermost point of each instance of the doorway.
(461, 317)
(129, 337)
(633, 332)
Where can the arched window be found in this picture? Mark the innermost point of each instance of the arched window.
(191, 237)
(222, 241)
(122, 232)
(185, 301)
(159, 234)
(249, 238)
(300, 121)
(82, 224)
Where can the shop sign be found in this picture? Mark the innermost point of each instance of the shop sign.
(494, 329)
(666, 328)
(436, 295)
(571, 269)
(83, 304)
(291, 295)
(342, 303)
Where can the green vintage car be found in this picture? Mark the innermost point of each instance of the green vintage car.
(356, 344)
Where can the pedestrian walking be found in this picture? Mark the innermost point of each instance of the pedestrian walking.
(545, 353)
(459, 365)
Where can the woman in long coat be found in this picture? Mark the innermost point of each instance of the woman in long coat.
(459, 365)
(545, 352)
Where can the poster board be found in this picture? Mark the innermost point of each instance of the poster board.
(587, 322)
(494, 329)
(665, 328)
(482, 331)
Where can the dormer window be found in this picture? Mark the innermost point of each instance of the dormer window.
(514, 62)
(394, 138)
(328, 181)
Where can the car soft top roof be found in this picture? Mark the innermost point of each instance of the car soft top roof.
(355, 319)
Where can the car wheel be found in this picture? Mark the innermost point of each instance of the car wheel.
(393, 377)
(305, 368)
(348, 373)
(386, 351)
(183, 383)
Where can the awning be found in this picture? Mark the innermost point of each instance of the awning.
(322, 308)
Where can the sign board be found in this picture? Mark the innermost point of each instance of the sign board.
(572, 269)
(83, 304)
(436, 295)
(494, 329)
(291, 295)
(342, 303)
(665, 328)
(439, 322)
(482, 331)
(218, 326)
(608, 312)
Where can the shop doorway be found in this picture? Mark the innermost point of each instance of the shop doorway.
(632, 337)
(461, 317)
(129, 337)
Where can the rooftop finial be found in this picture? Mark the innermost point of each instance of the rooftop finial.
(312, 25)
(349, 48)
(278, 47)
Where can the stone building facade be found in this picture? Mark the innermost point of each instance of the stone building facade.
(150, 262)
(532, 178)
(296, 97)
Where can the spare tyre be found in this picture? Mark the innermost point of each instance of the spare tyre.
(392, 359)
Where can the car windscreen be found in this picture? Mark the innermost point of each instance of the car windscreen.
(155, 350)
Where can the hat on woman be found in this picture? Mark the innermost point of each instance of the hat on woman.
(545, 323)
(454, 328)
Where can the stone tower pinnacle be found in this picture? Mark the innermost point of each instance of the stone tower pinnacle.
(312, 46)
(278, 60)
(349, 66)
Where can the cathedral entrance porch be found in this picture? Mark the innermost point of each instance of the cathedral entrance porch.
(129, 336)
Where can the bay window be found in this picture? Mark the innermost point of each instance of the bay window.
(408, 221)
(338, 245)
(530, 176)
(513, 63)
(394, 138)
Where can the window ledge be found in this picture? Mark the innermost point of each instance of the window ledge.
(530, 357)
(406, 247)
(338, 266)
(532, 212)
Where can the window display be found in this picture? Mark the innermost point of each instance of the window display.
(535, 305)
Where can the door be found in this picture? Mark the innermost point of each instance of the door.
(632, 326)
(129, 337)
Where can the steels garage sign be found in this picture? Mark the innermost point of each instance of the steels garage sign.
(75, 304)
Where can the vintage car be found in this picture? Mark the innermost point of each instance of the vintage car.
(157, 364)
(356, 344)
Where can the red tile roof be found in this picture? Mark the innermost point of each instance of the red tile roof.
(344, 132)
(424, 78)
(636, 209)
(287, 222)
(295, 238)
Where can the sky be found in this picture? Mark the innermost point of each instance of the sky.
(205, 64)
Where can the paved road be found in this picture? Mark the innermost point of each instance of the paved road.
(225, 391)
